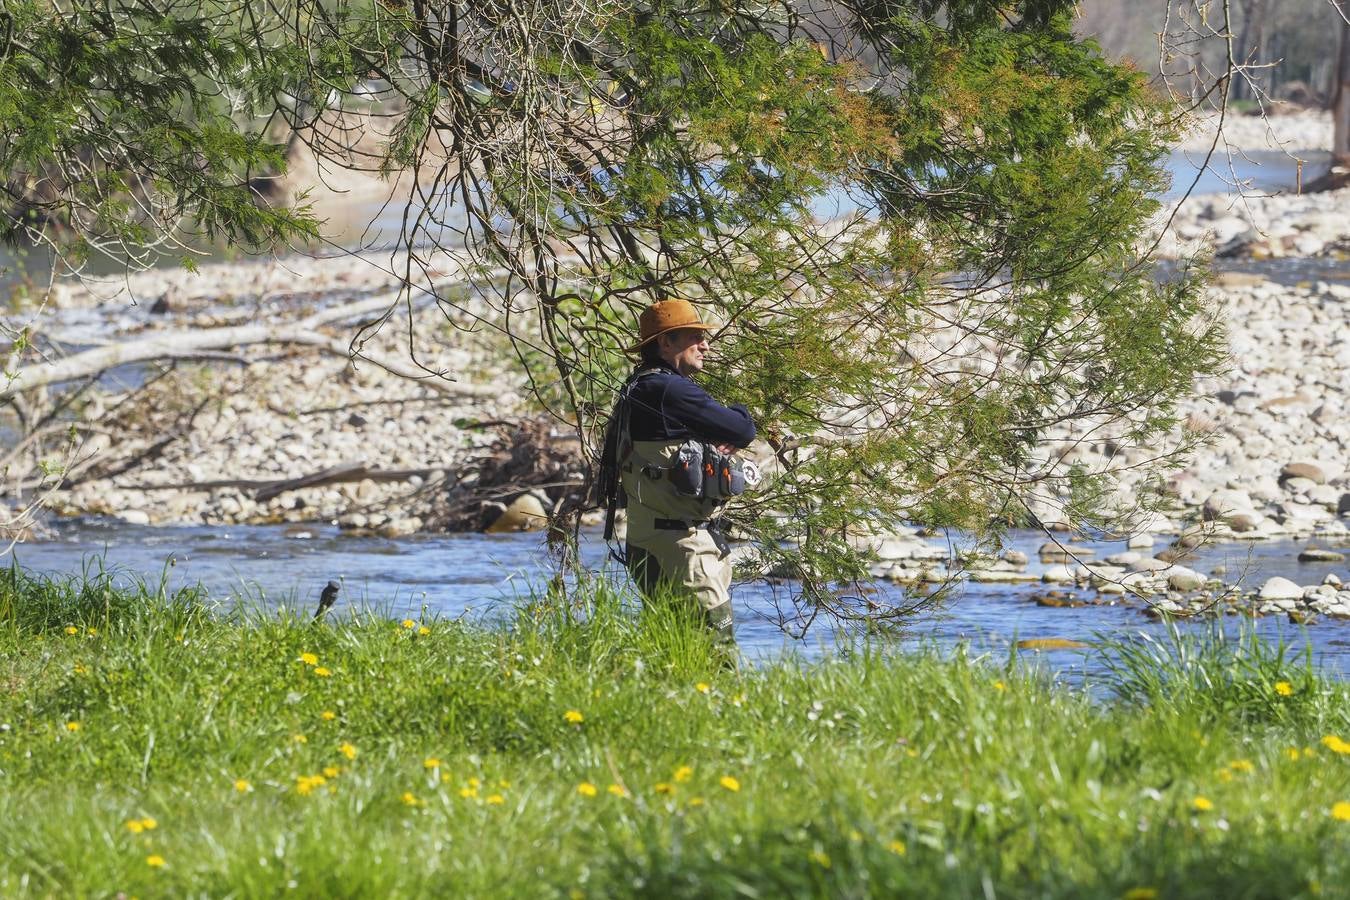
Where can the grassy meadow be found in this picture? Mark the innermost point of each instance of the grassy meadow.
(150, 746)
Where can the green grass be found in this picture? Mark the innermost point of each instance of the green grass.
(870, 774)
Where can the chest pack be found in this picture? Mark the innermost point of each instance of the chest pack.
(700, 470)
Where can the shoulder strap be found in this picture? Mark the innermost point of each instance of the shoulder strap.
(618, 447)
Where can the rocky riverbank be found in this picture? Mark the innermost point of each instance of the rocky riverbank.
(390, 449)
(1262, 213)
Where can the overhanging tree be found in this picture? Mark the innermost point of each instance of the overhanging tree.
(921, 223)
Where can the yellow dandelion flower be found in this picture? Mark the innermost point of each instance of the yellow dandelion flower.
(305, 784)
(1225, 776)
(1202, 804)
(820, 858)
(331, 771)
(424, 631)
(242, 786)
(79, 669)
(495, 800)
(1140, 893)
(1283, 688)
(695, 801)
(586, 789)
(71, 629)
(92, 632)
(322, 671)
(1335, 744)
(897, 847)
(1241, 765)
(617, 790)
(328, 715)
(155, 861)
(431, 762)
(503, 784)
(662, 788)
(1000, 686)
(135, 826)
(149, 824)
(729, 783)
(474, 783)
(409, 623)
(309, 659)
(468, 793)
(347, 750)
(409, 799)
(574, 716)
(703, 687)
(683, 773)
(72, 726)
(445, 778)
(1292, 753)
(300, 739)
(1341, 811)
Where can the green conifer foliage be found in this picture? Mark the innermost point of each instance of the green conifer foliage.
(923, 223)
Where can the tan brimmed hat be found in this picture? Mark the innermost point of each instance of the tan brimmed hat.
(666, 315)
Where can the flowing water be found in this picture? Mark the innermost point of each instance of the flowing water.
(483, 578)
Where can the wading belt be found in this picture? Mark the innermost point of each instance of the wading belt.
(713, 526)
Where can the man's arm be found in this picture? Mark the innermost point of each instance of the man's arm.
(695, 409)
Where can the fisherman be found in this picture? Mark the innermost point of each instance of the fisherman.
(663, 425)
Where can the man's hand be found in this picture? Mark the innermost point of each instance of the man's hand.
(724, 449)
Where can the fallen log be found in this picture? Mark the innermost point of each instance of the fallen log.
(191, 343)
(264, 490)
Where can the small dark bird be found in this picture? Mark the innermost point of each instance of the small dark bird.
(327, 599)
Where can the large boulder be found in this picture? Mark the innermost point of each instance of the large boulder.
(525, 513)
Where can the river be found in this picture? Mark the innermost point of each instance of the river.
(484, 577)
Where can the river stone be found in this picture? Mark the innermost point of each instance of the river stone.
(1223, 503)
(891, 549)
(1148, 564)
(1311, 471)
(1016, 557)
(525, 513)
(1180, 578)
(1125, 558)
(1320, 554)
(1299, 487)
(1050, 644)
(1325, 495)
(1278, 589)
(135, 517)
(1052, 552)
(1000, 576)
(1244, 522)
(1059, 574)
(1343, 505)
(1140, 541)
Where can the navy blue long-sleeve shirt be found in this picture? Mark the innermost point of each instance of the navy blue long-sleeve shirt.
(668, 406)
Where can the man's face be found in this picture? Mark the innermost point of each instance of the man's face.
(684, 349)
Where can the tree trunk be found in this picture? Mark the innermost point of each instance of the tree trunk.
(1250, 49)
(1340, 104)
